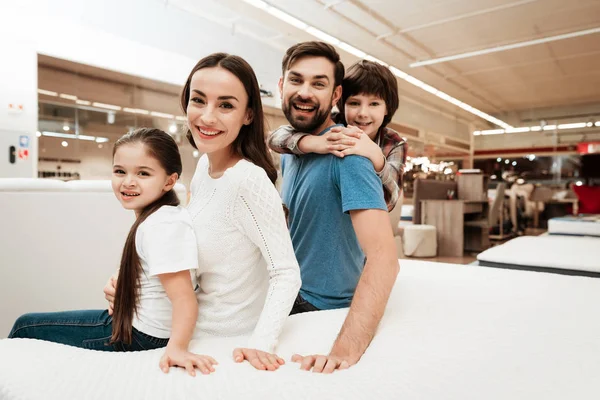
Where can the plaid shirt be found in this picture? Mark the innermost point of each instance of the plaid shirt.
(284, 140)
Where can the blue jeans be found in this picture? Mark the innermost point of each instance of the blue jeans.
(88, 329)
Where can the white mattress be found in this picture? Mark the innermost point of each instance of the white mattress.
(581, 253)
(450, 332)
(587, 225)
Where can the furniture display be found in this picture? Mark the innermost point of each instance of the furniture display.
(567, 255)
(448, 216)
(582, 225)
(450, 332)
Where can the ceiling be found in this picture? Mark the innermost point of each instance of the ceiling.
(563, 72)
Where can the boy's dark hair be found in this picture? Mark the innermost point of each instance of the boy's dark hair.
(314, 49)
(368, 77)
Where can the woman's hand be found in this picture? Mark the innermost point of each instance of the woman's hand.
(260, 360)
(178, 357)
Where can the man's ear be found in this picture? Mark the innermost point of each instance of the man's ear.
(171, 181)
(249, 116)
(337, 95)
(280, 86)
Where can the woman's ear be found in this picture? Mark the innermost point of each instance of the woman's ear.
(249, 116)
(171, 181)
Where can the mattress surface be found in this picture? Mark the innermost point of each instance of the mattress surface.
(549, 251)
(450, 332)
(586, 225)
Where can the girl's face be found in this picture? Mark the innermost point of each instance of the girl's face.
(139, 179)
(217, 109)
(365, 111)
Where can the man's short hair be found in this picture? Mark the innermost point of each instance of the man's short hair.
(314, 49)
(368, 77)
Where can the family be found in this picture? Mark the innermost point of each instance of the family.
(231, 262)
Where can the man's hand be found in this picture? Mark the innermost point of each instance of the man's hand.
(178, 357)
(322, 364)
(260, 360)
(110, 289)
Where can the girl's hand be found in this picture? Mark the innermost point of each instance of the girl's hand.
(260, 360)
(177, 357)
(109, 293)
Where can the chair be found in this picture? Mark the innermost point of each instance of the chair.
(495, 215)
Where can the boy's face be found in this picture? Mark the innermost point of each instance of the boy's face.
(308, 93)
(365, 111)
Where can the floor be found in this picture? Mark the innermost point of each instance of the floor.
(468, 258)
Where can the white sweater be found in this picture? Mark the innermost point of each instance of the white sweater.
(247, 271)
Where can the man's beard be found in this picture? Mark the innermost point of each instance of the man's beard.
(302, 123)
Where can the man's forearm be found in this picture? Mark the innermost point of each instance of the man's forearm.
(368, 306)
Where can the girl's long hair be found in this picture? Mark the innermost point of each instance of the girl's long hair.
(162, 147)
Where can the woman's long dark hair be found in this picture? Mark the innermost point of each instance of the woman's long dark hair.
(160, 146)
(251, 141)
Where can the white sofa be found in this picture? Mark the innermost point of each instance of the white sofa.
(59, 243)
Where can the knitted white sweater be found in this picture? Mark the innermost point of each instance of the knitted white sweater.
(248, 274)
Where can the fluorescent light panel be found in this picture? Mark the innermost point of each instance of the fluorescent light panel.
(73, 136)
(47, 92)
(505, 47)
(575, 125)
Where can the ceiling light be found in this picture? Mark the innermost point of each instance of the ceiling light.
(518, 130)
(549, 127)
(67, 96)
(101, 139)
(180, 118)
(161, 115)
(173, 128)
(83, 102)
(64, 143)
(107, 106)
(536, 128)
(590, 124)
(352, 50)
(506, 161)
(258, 3)
(514, 163)
(377, 60)
(66, 128)
(498, 159)
(597, 123)
(47, 92)
(195, 153)
(285, 17)
(572, 126)
(493, 132)
(323, 36)
(38, 134)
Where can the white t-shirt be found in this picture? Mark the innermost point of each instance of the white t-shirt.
(248, 274)
(165, 243)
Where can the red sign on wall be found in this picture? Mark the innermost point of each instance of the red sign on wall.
(588, 147)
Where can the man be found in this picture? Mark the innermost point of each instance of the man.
(337, 212)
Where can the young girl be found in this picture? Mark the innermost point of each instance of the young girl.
(249, 275)
(369, 100)
(155, 301)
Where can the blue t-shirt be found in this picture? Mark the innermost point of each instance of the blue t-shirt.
(319, 191)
